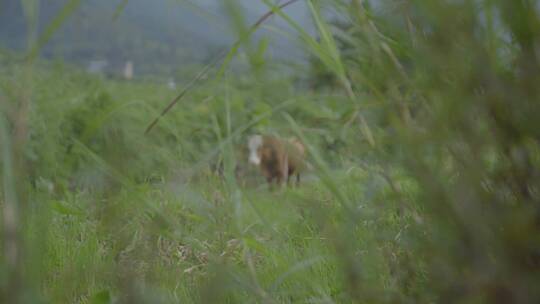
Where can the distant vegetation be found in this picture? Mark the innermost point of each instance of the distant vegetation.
(421, 123)
(153, 36)
(161, 37)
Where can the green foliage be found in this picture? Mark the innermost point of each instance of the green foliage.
(423, 181)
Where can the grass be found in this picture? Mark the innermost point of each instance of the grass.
(423, 141)
(114, 213)
(176, 237)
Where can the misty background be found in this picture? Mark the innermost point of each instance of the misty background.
(160, 37)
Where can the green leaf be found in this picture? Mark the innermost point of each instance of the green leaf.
(65, 208)
(102, 297)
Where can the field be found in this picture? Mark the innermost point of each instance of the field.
(424, 155)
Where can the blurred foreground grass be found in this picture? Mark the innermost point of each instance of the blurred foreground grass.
(421, 120)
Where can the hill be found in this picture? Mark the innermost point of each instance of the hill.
(159, 36)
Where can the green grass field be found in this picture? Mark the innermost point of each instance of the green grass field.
(112, 211)
(421, 126)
